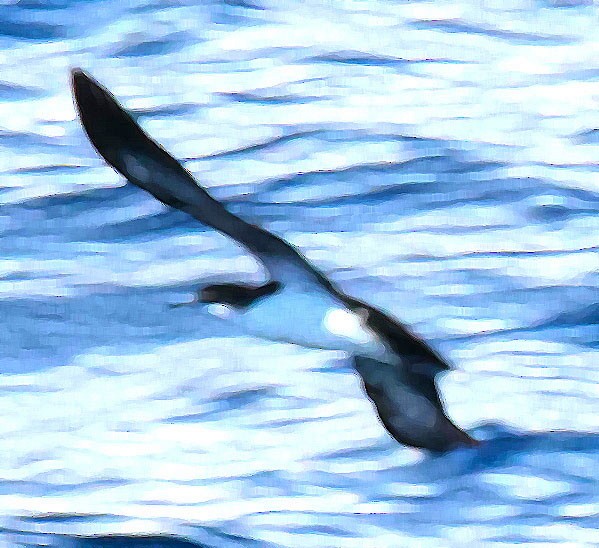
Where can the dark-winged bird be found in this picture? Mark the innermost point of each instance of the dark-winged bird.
(299, 305)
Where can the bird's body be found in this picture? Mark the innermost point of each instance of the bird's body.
(299, 305)
(311, 317)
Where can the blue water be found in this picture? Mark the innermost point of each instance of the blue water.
(436, 159)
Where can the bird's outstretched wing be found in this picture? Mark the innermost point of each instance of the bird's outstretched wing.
(408, 404)
(403, 390)
(129, 150)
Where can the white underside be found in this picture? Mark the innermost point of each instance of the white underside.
(314, 319)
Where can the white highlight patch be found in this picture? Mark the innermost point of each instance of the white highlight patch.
(219, 310)
(345, 323)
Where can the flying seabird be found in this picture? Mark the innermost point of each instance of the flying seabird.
(299, 305)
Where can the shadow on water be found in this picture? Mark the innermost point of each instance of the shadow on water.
(145, 48)
(30, 30)
(208, 537)
(457, 27)
(110, 541)
(502, 447)
(500, 441)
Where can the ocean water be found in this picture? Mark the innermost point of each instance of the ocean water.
(436, 159)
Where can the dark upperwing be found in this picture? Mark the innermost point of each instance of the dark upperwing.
(404, 393)
(143, 162)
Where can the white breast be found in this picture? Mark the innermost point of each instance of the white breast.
(347, 324)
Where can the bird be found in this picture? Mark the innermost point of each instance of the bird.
(299, 304)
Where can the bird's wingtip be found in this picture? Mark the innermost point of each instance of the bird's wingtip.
(81, 80)
(78, 75)
(94, 104)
